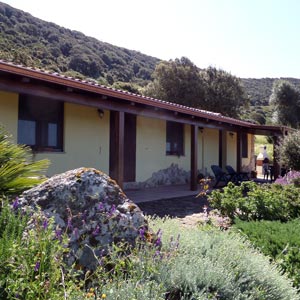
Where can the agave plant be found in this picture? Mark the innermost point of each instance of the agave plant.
(18, 171)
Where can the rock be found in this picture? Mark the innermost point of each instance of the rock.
(170, 176)
(91, 208)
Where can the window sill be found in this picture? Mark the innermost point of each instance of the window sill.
(52, 151)
(174, 154)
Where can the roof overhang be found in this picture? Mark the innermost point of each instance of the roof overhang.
(20, 79)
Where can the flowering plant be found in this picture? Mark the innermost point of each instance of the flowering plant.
(291, 177)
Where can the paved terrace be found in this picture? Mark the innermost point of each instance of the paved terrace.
(160, 193)
(167, 192)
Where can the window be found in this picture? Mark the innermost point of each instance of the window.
(244, 145)
(175, 139)
(40, 123)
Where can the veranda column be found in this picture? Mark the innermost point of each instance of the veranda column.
(117, 123)
(194, 157)
(276, 165)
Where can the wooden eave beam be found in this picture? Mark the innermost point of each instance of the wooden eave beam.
(109, 103)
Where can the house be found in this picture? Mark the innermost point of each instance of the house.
(79, 123)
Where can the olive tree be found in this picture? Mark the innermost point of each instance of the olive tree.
(289, 150)
(285, 101)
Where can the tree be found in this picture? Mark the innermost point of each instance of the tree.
(176, 81)
(182, 82)
(17, 170)
(223, 92)
(285, 100)
(289, 150)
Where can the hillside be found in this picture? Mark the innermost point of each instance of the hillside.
(33, 42)
(260, 90)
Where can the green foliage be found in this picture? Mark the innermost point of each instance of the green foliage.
(285, 101)
(31, 265)
(17, 170)
(218, 265)
(289, 150)
(280, 241)
(223, 92)
(180, 81)
(258, 117)
(125, 86)
(251, 201)
(36, 43)
(177, 81)
(189, 264)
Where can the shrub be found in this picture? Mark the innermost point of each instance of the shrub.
(280, 241)
(218, 265)
(289, 150)
(17, 170)
(251, 201)
(189, 264)
(31, 265)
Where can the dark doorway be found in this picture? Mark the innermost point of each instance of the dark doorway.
(129, 147)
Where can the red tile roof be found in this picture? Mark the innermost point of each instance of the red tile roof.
(91, 86)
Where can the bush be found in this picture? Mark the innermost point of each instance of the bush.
(251, 201)
(280, 241)
(189, 264)
(218, 265)
(31, 264)
(289, 150)
(17, 170)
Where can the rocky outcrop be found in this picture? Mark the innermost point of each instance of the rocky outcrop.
(169, 176)
(91, 208)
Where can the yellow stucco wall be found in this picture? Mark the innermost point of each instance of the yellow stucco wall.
(86, 141)
(151, 148)
(9, 112)
(248, 164)
(231, 149)
(211, 149)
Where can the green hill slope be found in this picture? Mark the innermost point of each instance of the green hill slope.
(33, 42)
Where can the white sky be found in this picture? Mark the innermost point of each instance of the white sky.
(249, 38)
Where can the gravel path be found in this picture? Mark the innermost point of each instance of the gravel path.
(187, 209)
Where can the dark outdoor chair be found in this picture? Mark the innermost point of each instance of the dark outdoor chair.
(236, 176)
(220, 175)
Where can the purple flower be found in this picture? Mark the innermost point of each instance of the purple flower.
(96, 230)
(45, 224)
(58, 233)
(158, 242)
(100, 206)
(142, 233)
(158, 254)
(113, 209)
(37, 266)
(15, 204)
(70, 223)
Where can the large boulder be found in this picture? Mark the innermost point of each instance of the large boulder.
(91, 208)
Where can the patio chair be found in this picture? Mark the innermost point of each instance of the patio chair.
(236, 176)
(220, 175)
